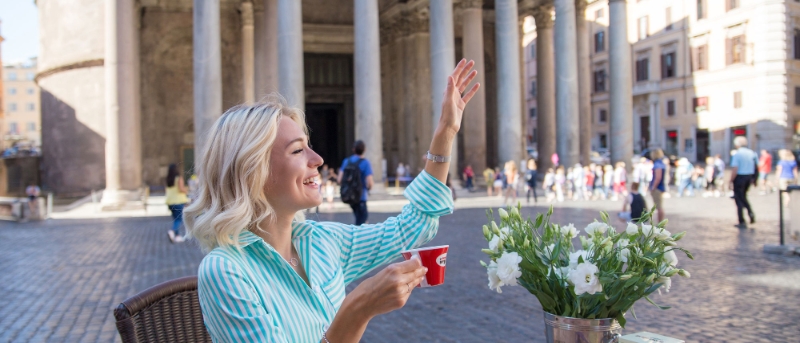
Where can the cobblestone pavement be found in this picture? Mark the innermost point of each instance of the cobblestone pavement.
(61, 279)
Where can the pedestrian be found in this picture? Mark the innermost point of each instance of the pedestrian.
(512, 181)
(554, 159)
(32, 191)
(668, 173)
(608, 181)
(657, 184)
(620, 181)
(743, 169)
(708, 174)
(272, 278)
(578, 182)
(786, 171)
(548, 183)
(469, 175)
(176, 200)
(637, 205)
(683, 175)
(193, 185)
(499, 182)
(698, 178)
(599, 178)
(588, 174)
(357, 177)
(719, 179)
(764, 168)
(530, 181)
(560, 179)
(488, 177)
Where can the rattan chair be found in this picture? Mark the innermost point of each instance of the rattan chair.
(168, 312)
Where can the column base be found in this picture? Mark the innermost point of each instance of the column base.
(120, 199)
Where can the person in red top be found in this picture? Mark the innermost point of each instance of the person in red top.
(764, 168)
(469, 176)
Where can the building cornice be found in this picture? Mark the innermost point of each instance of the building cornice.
(98, 62)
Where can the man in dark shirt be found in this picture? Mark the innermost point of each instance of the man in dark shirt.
(360, 209)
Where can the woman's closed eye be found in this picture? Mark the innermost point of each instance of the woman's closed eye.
(297, 151)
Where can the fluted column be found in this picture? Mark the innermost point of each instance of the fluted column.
(584, 82)
(266, 49)
(545, 86)
(509, 133)
(567, 140)
(123, 128)
(474, 123)
(248, 52)
(443, 55)
(207, 71)
(367, 65)
(621, 100)
(290, 52)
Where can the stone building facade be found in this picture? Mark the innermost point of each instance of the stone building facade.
(129, 86)
(21, 123)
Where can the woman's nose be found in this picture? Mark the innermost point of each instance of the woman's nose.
(316, 160)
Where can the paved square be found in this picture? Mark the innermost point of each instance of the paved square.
(61, 279)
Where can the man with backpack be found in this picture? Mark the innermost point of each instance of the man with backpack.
(355, 180)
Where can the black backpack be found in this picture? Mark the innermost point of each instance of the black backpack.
(351, 187)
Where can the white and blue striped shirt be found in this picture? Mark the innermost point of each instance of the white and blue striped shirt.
(254, 295)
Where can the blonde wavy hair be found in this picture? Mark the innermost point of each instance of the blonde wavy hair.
(233, 171)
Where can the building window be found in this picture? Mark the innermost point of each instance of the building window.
(599, 14)
(700, 104)
(688, 145)
(701, 9)
(30, 90)
(670, 108)
(532, 112)
(31, 106)
(735, 49)
(30, 76)
(533, 50)
(600, 81)
(12, 76)
(31, 126)
(12, 107)
(797, 96)
(796, 44)
(700, 57)
(737, 99)
(668, 65)
(671, 146)
(599, 41)
(12, 128)
(668, 15)
(12, 91)
(603, 116)
(603, 141)
(644, 28)
(731, 4)
(533, 89)
(643, 69)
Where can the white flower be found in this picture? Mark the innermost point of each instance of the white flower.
(562, 273)
(632, 229)
(505, 230)
(671, 258)
(494, 281)
(624, 242)
(666, 283)
(508, 268)
(569, 231)
(624, 254)
(503, 213)
(646, 229)
(548, 250)
(573, 257)
(494, 243)
(663, 234)
(596, 228)
(585, 279)
(515, 212)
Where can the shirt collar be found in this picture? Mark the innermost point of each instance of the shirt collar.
(299, 229)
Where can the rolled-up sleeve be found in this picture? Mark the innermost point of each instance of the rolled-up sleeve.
(232, 311)
(366, 247)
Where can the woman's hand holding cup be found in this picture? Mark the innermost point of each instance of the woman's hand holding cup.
(390, 288)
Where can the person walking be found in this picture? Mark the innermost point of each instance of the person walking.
(530, 181)
(559, 181)
(620, 180)
(488, 177)
(764, 168)
(578, 182)
(358, 176)
(743, 169)
(637, 205)
(469, 176)
(512, 181)
(32, 191)
(786, 171)
(554, 159)
(683, 175)
(719, 179)
(548, 184)
(176, 200)
(499, 182)
(657, 188)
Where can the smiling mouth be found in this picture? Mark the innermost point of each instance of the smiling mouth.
(311, 181)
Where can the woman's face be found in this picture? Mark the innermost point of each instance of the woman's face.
(293, 182)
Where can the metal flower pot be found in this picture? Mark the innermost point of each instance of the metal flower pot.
(576, 330)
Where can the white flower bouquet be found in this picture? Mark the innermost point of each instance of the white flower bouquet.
(603, 279)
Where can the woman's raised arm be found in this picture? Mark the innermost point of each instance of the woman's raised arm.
(452, 111)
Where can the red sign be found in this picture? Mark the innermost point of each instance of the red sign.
(672, 134)
(739, 132)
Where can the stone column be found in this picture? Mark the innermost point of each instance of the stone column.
(584, 82)
(621, 99)
(207, 72)
(290, 52)
(474, 123)
(655, 121)
(248, 53)
(443, 55)
(509, 133)
(266, 49)
(123, 127)
(366, 62)
(566, 83)
(545, 86)
(417, 111)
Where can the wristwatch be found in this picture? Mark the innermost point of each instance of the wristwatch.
(437, 158)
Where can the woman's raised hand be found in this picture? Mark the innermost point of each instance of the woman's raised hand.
(390, 288)
(455, 99)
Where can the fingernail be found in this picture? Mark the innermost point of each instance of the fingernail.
(426, 270)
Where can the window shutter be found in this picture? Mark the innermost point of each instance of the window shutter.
(693, 61)
(728, 51)
(705, 56)
(743, 42)
(663, 68)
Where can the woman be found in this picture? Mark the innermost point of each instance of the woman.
(499, 182)
(469, 175)
(786, 171)
(548, 184)
(620, 176)
(176, 200)
(530, 181)
(271, 278)
(512, 182)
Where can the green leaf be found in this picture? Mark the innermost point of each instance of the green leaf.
(621, 320)
(657, 305)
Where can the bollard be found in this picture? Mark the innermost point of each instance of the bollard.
(49, 205)
(795, 211)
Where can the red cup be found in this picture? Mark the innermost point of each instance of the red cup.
(433, 258)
